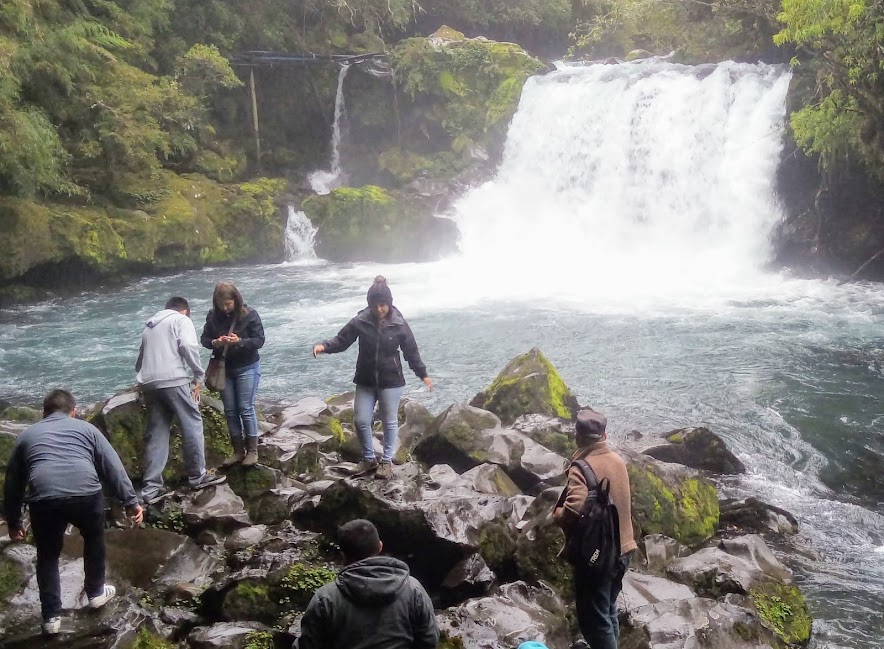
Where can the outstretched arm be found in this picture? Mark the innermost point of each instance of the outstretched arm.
(412, 355)
(110, 469)
(14, 489)
(346, 337)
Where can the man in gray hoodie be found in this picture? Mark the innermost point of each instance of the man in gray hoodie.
(373, 604)
(169, 375)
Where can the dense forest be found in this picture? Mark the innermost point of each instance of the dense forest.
(125, 132)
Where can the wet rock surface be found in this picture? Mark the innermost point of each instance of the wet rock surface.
(698, 448)
(468, 509)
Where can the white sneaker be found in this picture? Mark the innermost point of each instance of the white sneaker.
(52, 626)
(101, 600)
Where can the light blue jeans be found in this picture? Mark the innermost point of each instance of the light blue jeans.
(363, 418)
(238, 397)
(164, 404)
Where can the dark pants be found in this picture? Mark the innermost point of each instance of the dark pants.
(49, 519)
(597, 606)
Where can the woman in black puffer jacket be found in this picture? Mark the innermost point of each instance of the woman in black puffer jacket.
(382, 332)
(242, 365)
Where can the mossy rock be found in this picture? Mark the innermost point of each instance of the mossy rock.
(538, 559)
(7, 441)
(252, 599)
(671, 500)
(529, 384)
(698, 448)
(21, 414)
(784, 611)
(250, 482)
(372, 224)
(458, 437)
(144, 639)
(498, 549)
(123, 420)
(12, 579)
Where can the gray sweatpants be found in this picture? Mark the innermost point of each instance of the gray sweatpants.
(162, 405)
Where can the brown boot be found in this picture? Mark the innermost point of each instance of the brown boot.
(239, 452)
(251, 458)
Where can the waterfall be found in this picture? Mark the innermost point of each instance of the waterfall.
(299, 237)
(637, 177)
(321, 181)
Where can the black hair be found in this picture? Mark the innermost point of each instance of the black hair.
(58, 401)
(177, 304)
(359, 540)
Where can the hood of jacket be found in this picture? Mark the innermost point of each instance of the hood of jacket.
(373, 581)
(159, 316)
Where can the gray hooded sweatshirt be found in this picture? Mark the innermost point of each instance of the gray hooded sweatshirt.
(374, 604)
(169, 352)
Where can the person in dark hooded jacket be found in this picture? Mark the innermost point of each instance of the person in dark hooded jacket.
(373, 604)
(381, 331)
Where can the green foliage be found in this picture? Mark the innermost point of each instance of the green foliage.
(144, 639)
(301, 581)
(783, 609)
(12, 578)
(259, 640)
(845, 38)
(203, 70)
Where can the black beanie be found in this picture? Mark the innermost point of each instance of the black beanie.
(379, 292)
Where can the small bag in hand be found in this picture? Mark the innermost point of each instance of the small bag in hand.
(216, 372)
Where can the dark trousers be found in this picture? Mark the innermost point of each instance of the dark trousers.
(49, 519)
(597, 606)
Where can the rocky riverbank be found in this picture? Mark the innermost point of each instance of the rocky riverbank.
(467, 509)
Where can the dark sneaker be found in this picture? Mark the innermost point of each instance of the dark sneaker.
(52, 626)
(208, 480)
(364, 466)
(159, 496)
(385, 471)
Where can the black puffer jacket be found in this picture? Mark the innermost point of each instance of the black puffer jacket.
(373, 604)
(378, 364)
(250, 330)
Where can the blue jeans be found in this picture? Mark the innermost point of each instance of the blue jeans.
(163, 404)
(238, 397)
(597, 606)
(363, 417)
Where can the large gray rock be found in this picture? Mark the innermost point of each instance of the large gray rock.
(693, 624)
(554, 433)
(491, 479)
(217, 508)
(517, 613)
(305, 413)
(698, 448)
(470, 578)
(464, 437)
(661, 550)
(431, 522)
(640, 590)
(754, 516)
(229, 635)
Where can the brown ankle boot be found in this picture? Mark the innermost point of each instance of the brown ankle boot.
(251, 458)
(239, 452)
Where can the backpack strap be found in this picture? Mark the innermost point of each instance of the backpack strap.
(592, 482)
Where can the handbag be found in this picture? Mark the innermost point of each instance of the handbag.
(216, 372)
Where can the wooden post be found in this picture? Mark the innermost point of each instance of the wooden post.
(255, 114)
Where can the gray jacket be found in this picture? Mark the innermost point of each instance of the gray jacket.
(373, 604)
(169, 352)
(62, 457)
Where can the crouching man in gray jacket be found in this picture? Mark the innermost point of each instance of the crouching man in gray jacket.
(63, 462)
(169, 374)
(373, 604)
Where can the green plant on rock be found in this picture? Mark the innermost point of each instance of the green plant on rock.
(259, 640)
(144, 639)
(783, 609)
(301, 581)
(171, 518)
(11, 579)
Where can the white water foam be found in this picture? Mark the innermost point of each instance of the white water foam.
(300, 235)
(324, 182)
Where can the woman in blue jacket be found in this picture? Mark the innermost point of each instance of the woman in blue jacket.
(382, 332)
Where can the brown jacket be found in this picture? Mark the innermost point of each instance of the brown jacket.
(606, 464)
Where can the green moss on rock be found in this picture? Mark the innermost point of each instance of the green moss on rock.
(301, 581)
(674, 504)
(250, 482)
(21, 414)
(251, 599)
(529, 384)
(12, 579)
(144, 639)
(784, 611)
(538, 559)
(372, 224)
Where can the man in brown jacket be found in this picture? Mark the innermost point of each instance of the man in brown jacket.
(597, 599)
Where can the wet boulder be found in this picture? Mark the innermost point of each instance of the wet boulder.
(294, 451)
(414, 421)
(276, 505)
(528, 385)
(754, 516)
(431, 522)
(491, 479)
(232, 635)
(641, 590)
(217, 508)
(20, 414)
(517, 613)
(538, 543)
(746, 566)
(465, 437)
(469, 578)
(697, 623)
(661, 550)
(123, 420)
(698, 448)
(670, 499)
(554, 433)
(250, 482)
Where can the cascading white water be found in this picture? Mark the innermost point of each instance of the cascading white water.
(321, 181)
(299, 237)
(632, 178)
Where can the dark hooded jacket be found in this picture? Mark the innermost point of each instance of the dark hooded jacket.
(379, 364)
(248, 327)
(373, 604)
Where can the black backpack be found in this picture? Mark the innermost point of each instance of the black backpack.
(592, 542)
